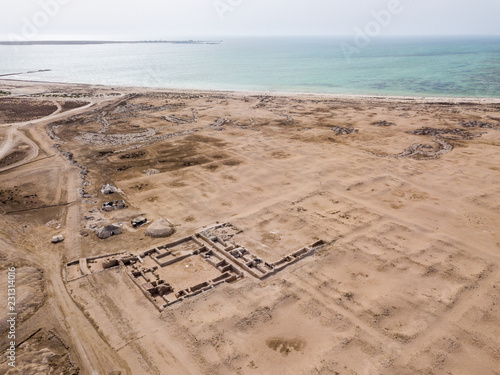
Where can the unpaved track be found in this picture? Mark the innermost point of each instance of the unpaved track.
(8, 144)
(15, 137)
(94, 355)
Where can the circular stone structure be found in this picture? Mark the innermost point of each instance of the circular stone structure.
(160, 228)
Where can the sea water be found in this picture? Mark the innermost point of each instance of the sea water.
(448, 67)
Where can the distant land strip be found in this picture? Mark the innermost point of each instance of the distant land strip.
(84, 42)
(30, 72)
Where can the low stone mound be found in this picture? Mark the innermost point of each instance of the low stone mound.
(343, 131)
(150, 172)
(383, 123)
(108, 189)
(480, 124)
(160, 228)
(108, 231)
(453, 134)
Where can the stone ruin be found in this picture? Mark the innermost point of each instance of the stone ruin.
(114, 205)
(480, 124)
(87, 266)
(109, 231)
(441, 136)
(423, 151)
(213, 246)
(109, 189)
(181, 120)
(454, 134)
(384, 123)
(138, 221)
(343, 131)
(220, 237)
(161, 292)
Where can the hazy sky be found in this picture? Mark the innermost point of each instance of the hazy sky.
(164, 19)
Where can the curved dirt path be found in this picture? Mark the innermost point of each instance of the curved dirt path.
(8, 144)
(15, 137)
(93, 353)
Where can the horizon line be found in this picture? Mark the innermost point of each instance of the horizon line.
(207, 39)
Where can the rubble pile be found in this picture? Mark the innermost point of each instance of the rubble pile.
(343, 131)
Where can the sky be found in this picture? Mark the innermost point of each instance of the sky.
(180, 19)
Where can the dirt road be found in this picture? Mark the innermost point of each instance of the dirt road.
(15, 136)
(93, 353)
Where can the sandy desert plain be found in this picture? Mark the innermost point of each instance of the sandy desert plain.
(404, 194)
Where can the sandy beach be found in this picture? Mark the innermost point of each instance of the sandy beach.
(315, 234)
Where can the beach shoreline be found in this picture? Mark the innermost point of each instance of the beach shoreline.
(291, 94)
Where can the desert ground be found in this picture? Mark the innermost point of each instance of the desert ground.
(394, 201)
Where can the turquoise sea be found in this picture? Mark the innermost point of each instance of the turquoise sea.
(451, 67)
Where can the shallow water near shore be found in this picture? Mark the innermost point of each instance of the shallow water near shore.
(452, 67)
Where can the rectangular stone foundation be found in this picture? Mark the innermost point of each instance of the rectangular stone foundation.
(211, 250)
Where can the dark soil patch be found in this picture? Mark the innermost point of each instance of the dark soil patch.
(19, 110)
(165, 156)
(232, 162)
(123, 168)
(219, 156)
(193, 150)
(139, 187)
(133, 155)
(17, 199)
(169, 156)
(280, 155)
(285, 346)
(102, 154)
(201, 139)
(69, 105)
(212, 167)
(12, 158)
